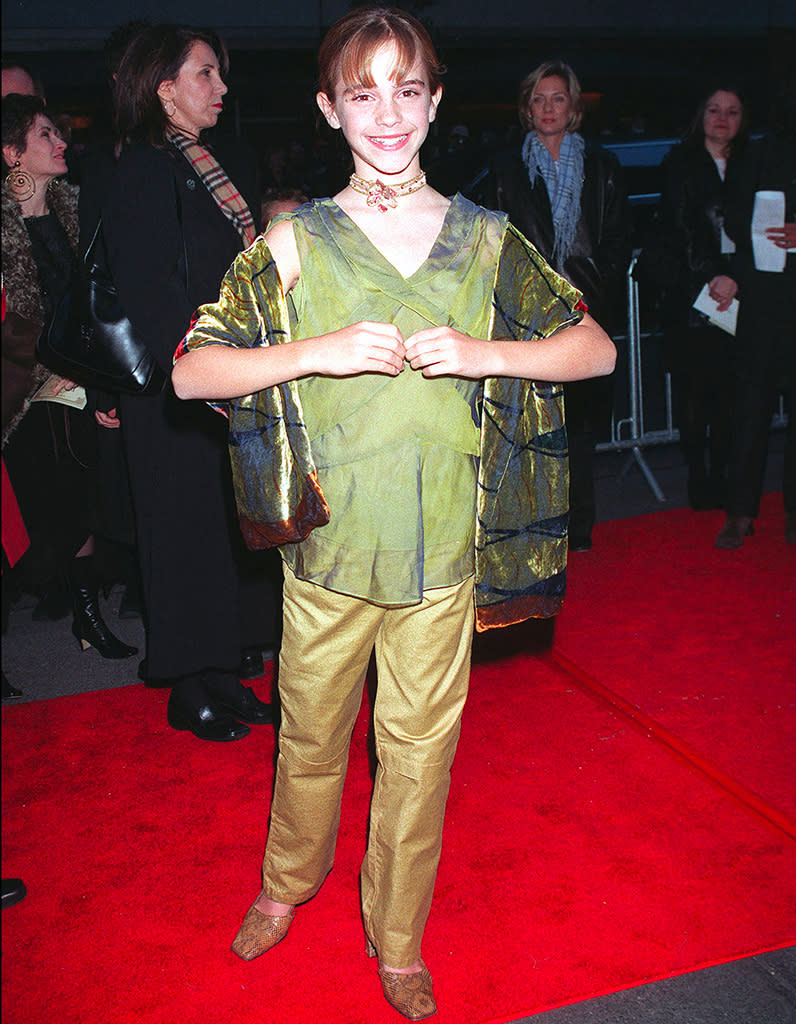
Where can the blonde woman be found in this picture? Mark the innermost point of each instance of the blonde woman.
(569, 201)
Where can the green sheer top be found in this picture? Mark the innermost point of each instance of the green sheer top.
(396, 457)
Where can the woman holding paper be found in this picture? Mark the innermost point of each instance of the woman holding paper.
(691, 259)
(765, 363)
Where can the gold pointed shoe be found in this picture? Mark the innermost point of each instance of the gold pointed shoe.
(410, 994)
(260, 932)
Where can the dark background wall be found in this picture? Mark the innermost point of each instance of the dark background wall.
(641, 64)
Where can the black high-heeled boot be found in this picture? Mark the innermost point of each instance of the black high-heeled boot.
(88, 626)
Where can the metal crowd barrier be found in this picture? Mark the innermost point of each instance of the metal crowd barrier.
(631, 433)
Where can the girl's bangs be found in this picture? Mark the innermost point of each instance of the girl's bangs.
(357, 57)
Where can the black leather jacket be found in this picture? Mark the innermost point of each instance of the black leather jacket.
(684, 250)
(601, 251)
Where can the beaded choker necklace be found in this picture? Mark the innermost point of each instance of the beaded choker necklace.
(385, 197)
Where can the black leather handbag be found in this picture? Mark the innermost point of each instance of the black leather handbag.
(91, 341)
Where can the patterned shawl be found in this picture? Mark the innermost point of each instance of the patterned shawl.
(215, 179)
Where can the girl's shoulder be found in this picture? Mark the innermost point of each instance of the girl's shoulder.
(466, 208)
(280, 238)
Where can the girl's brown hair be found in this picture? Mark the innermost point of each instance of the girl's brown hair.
(350, 45)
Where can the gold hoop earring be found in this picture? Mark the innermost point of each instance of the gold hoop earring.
(21, 185)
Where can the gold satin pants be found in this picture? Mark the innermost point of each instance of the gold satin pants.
(423, 661)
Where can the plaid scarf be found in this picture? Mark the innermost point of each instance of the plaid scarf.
(564, 181)
(214, 177)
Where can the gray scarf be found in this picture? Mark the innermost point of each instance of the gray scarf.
(564, 181)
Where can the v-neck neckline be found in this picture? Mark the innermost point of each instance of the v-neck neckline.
(447, 228)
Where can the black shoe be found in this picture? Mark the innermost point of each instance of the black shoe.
(252, 665)
(13, 891)
(233, 697)
(206, 722)
(577, 543)
(89, 627)
(735, 529)
(247, 707)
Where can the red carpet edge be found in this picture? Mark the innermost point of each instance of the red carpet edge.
(610, 990)
(655, 731)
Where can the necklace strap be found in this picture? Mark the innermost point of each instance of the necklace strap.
(385, 197)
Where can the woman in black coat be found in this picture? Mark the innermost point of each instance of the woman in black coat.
(764, 362)
(571, 203)
(173, 223)
(691, 250)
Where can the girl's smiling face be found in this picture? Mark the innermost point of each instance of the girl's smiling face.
(386, 122)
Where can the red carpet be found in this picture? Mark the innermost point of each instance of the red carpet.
(703, 641)
(582, 854)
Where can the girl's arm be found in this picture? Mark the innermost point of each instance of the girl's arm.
(217, 372)
(224, 370)
(575, 353)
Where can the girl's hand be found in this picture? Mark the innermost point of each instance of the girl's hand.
(722, 290)
(784, 237)
(364, 347)
(445, 352)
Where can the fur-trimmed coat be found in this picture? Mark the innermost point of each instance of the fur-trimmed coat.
(24, 305)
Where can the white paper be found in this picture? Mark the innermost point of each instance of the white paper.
(769, 212)
(726, 320)
(75, 399)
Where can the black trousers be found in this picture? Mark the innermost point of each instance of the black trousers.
(765, 367)
(701, 359)
(588, 416)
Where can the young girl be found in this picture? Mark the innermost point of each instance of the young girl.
(382, 351)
